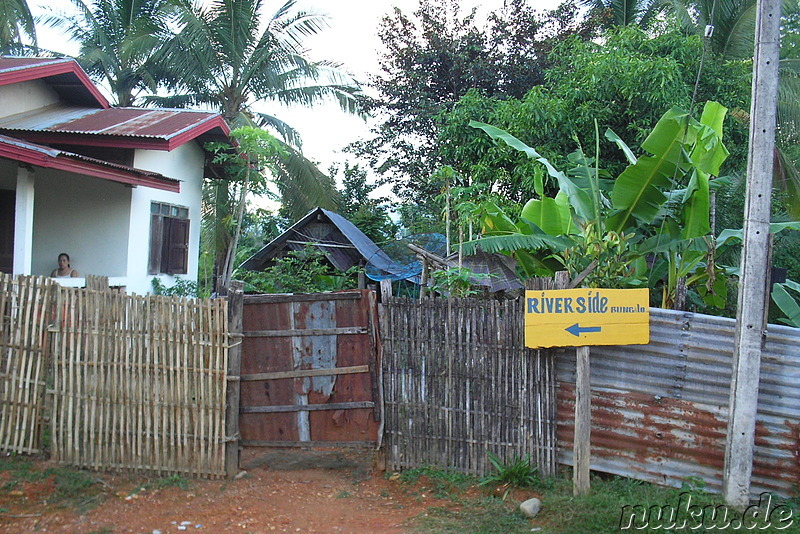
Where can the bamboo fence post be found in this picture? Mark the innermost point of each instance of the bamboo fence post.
(235, 313)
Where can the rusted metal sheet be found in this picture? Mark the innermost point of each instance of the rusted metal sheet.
(137, 122)
(659, 411)
(332, 334)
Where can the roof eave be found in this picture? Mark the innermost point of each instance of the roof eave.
(65, 163)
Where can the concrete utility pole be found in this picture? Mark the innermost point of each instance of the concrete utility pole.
(754, 278)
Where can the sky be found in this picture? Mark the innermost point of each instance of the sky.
(351, 39)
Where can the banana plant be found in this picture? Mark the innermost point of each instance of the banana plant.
(782, 296)
(660, 203)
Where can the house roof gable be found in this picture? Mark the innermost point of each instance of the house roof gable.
(86, 118)
(64, 76)
(360, 248)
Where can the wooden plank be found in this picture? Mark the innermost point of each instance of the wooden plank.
(235, 305)
(306, 373)
(302, 332)
(583, 422)
(305, 297)
(308, 407)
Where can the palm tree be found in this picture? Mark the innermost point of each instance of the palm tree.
(225, 56)
(624, 12)
(16, 21)
(118, 40)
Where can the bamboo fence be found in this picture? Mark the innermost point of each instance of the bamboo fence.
(459, 384)
(24, 316)
(139, 382)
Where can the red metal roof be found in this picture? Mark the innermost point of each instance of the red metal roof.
(158, 129)
(51, 158)
(65, 76)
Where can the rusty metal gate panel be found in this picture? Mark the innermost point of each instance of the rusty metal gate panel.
(308, 373)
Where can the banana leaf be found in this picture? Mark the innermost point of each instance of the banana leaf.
(709, 152)
(513, 242)
(546, 213)
(696, 207)
(614, 138)
(730, 236)
(637, 191)
(787, 304)
(580, 200)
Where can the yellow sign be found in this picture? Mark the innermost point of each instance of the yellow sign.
(588, 316)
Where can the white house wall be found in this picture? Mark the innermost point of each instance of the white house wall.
(25, 96)
(88, 218)
(184, 163)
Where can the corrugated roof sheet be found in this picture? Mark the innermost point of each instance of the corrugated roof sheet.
(129, 122)
(8, 63)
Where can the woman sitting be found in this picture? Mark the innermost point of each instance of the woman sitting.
(64, 270)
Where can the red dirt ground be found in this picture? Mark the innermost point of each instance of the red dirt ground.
(335, 496)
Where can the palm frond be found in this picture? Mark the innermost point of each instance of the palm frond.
(289, 134)
(16, 22)
(301, 184)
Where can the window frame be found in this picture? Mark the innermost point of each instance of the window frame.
(169, 239)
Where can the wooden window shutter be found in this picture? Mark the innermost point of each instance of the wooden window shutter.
(177, 249)
(156, 244)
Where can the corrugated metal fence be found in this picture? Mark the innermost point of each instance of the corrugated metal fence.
(659, 411)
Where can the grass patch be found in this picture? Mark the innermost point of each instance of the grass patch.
(20, 469)
(601, 509)
(598, 512)
(443, 484)
(479, 516)
(172, 481)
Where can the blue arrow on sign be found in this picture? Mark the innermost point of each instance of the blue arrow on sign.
(576, 329)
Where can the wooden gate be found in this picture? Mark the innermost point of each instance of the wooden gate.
(310, 370)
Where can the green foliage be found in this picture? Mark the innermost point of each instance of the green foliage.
(172, 481)
(613, 262)
(433, 56)
(484, 516)
(594, 216)
(181, 288)
(300, 271)
(591, 82)
(73, 487)
(16, 22)
(516, 472)
(71, 483)
(786, 296)
(457, 282)
(20, 469)
(358, 204)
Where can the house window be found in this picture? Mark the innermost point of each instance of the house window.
(169, 239)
